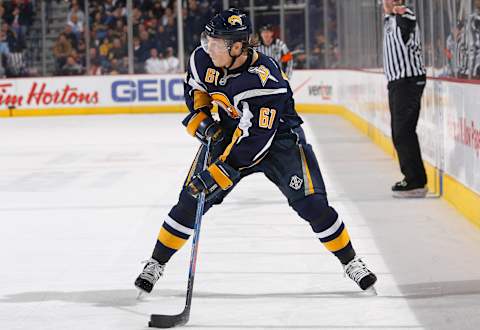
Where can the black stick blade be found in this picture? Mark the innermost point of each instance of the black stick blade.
(168, 321)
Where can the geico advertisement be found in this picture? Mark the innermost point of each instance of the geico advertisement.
(147, 90)
(84, 92)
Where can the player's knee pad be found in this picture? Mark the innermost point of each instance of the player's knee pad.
(185, 209)
(316, 211)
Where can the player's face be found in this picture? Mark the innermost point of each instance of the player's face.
(217, 50)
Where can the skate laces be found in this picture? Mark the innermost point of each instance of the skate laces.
(152, 270)
(356, 269)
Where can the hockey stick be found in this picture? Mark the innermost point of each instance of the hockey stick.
(170, 321)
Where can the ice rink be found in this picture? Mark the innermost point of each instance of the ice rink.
(82, 200)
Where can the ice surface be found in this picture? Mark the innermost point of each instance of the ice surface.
(82, 200)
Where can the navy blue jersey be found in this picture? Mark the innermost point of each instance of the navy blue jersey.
(255, 102)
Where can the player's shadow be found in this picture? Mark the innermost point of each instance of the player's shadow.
(127, 298)
(100, 298)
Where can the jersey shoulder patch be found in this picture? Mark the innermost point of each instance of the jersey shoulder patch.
(263, 73)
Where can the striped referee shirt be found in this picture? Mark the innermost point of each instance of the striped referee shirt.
(402, 48)
(278, 50)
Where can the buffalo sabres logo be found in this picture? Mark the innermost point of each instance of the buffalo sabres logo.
(234, 19)
(222, 101)
(263, 73)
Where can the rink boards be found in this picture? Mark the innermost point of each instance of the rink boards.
(449, 127)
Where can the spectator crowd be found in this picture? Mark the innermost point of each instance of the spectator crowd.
(154, 36)
(16, 18)
(155, 43)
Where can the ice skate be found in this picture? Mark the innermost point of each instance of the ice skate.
(403, 189)
(360, 274)
(150, 274)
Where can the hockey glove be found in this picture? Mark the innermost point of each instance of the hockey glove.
(218, 177)
(202, 126)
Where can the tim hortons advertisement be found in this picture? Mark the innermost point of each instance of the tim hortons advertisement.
(86, 92)
(38, 94)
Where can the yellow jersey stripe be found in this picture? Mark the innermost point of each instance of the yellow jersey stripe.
(169, 240)
(338, 243)
(236, 135)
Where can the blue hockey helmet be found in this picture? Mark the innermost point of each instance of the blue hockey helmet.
(232, 25)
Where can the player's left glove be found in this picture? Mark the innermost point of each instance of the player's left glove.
(203, 126)
(219, 176)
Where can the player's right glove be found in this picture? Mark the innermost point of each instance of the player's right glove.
(219, 176)
(201, 125)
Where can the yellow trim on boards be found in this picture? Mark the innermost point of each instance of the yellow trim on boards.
(463, 199)
(4, 113)
(94, 111)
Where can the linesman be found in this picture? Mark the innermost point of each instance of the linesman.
(405, 71)
(275, 48)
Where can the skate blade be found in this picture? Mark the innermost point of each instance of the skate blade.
(141, 294)
(415, 193)
(371, 291)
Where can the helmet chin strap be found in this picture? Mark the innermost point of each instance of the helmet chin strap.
(233, 58)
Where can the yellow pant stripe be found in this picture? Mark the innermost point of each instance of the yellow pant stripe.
(220, 178)
(338, 243)
(306, 173)
(170, 240)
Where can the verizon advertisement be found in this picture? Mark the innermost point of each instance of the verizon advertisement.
(313, 87)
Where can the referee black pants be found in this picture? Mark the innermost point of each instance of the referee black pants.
(404, 98)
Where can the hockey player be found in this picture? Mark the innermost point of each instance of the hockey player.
(276, 49)
(258, 131)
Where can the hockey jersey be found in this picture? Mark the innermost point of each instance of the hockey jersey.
(255, 102)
